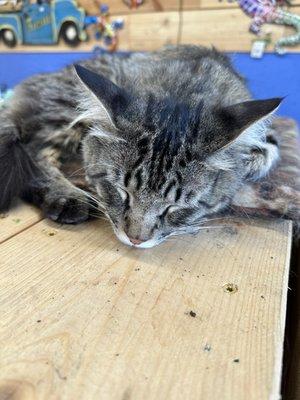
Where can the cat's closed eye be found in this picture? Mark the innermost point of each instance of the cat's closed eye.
(167, 210)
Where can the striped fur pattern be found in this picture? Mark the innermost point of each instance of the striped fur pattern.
(163, 141)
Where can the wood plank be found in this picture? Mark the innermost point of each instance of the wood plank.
(85, 317)
(117, 7)
(218, 4)
(150, 31)
(228, 30)
(208, 4)
(20, 217)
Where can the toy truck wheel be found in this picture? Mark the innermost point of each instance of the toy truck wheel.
(9, 38)
(69, 33)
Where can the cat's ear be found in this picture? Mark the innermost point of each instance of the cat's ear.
(233, 120)
(114, 99)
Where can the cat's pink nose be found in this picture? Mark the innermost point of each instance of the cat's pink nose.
(136, 241)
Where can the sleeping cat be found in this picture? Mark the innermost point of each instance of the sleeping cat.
(166, 139)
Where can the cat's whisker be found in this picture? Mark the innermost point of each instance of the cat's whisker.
(242, 209)
(98, 207)
(97, 164)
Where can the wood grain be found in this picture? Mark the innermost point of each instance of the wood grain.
(84, 317)
(117, 7)
(16, 220)
(208, 4)
(228, 30)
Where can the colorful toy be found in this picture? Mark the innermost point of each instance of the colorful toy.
(104, 30)
(133, 3)
(270, 11)
(43, 22)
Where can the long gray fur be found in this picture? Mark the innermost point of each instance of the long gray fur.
(166, 139)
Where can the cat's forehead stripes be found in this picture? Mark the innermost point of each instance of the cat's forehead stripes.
(173, 126)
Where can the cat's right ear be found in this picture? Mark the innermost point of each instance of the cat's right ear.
(114, 99)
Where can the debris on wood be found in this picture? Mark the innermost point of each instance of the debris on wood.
(51, 232)
(230, 288)
(207, 347)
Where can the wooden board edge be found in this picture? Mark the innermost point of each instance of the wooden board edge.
(279, 346)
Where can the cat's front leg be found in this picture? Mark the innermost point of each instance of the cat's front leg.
(58, 198)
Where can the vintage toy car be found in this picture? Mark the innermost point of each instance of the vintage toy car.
(42, 22)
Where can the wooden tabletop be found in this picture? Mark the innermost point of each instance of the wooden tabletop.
(85, 317)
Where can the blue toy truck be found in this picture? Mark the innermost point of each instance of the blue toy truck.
(43, 22)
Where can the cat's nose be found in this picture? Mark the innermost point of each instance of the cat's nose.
(136, 241)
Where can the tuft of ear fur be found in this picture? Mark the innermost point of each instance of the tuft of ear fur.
(236, 119)
(114, 98)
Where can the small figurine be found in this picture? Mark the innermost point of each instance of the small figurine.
(105, 30)
(133, 3)
(270, 11)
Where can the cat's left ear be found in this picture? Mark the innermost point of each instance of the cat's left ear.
(233, 120)
(115, 99)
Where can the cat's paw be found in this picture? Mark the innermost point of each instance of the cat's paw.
(67, 210)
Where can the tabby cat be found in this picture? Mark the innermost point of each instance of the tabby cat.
(166, 140)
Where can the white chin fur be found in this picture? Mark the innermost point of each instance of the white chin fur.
(121, 235)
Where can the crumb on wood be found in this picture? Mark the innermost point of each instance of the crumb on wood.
(50, 233)
(180, 258)
(117, 354)
(207, 347)
(236, 360)
(231, 230)
(192, 314)
(262, 297)
(230, 288)
(137, 269)
(38, 321)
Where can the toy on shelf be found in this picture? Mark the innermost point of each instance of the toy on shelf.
(103, 29)
(43, 22)
(271, 11)
(133, 3)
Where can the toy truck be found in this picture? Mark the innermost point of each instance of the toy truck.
(41, 22)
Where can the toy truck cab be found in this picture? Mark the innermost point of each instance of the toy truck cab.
(42, 22)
